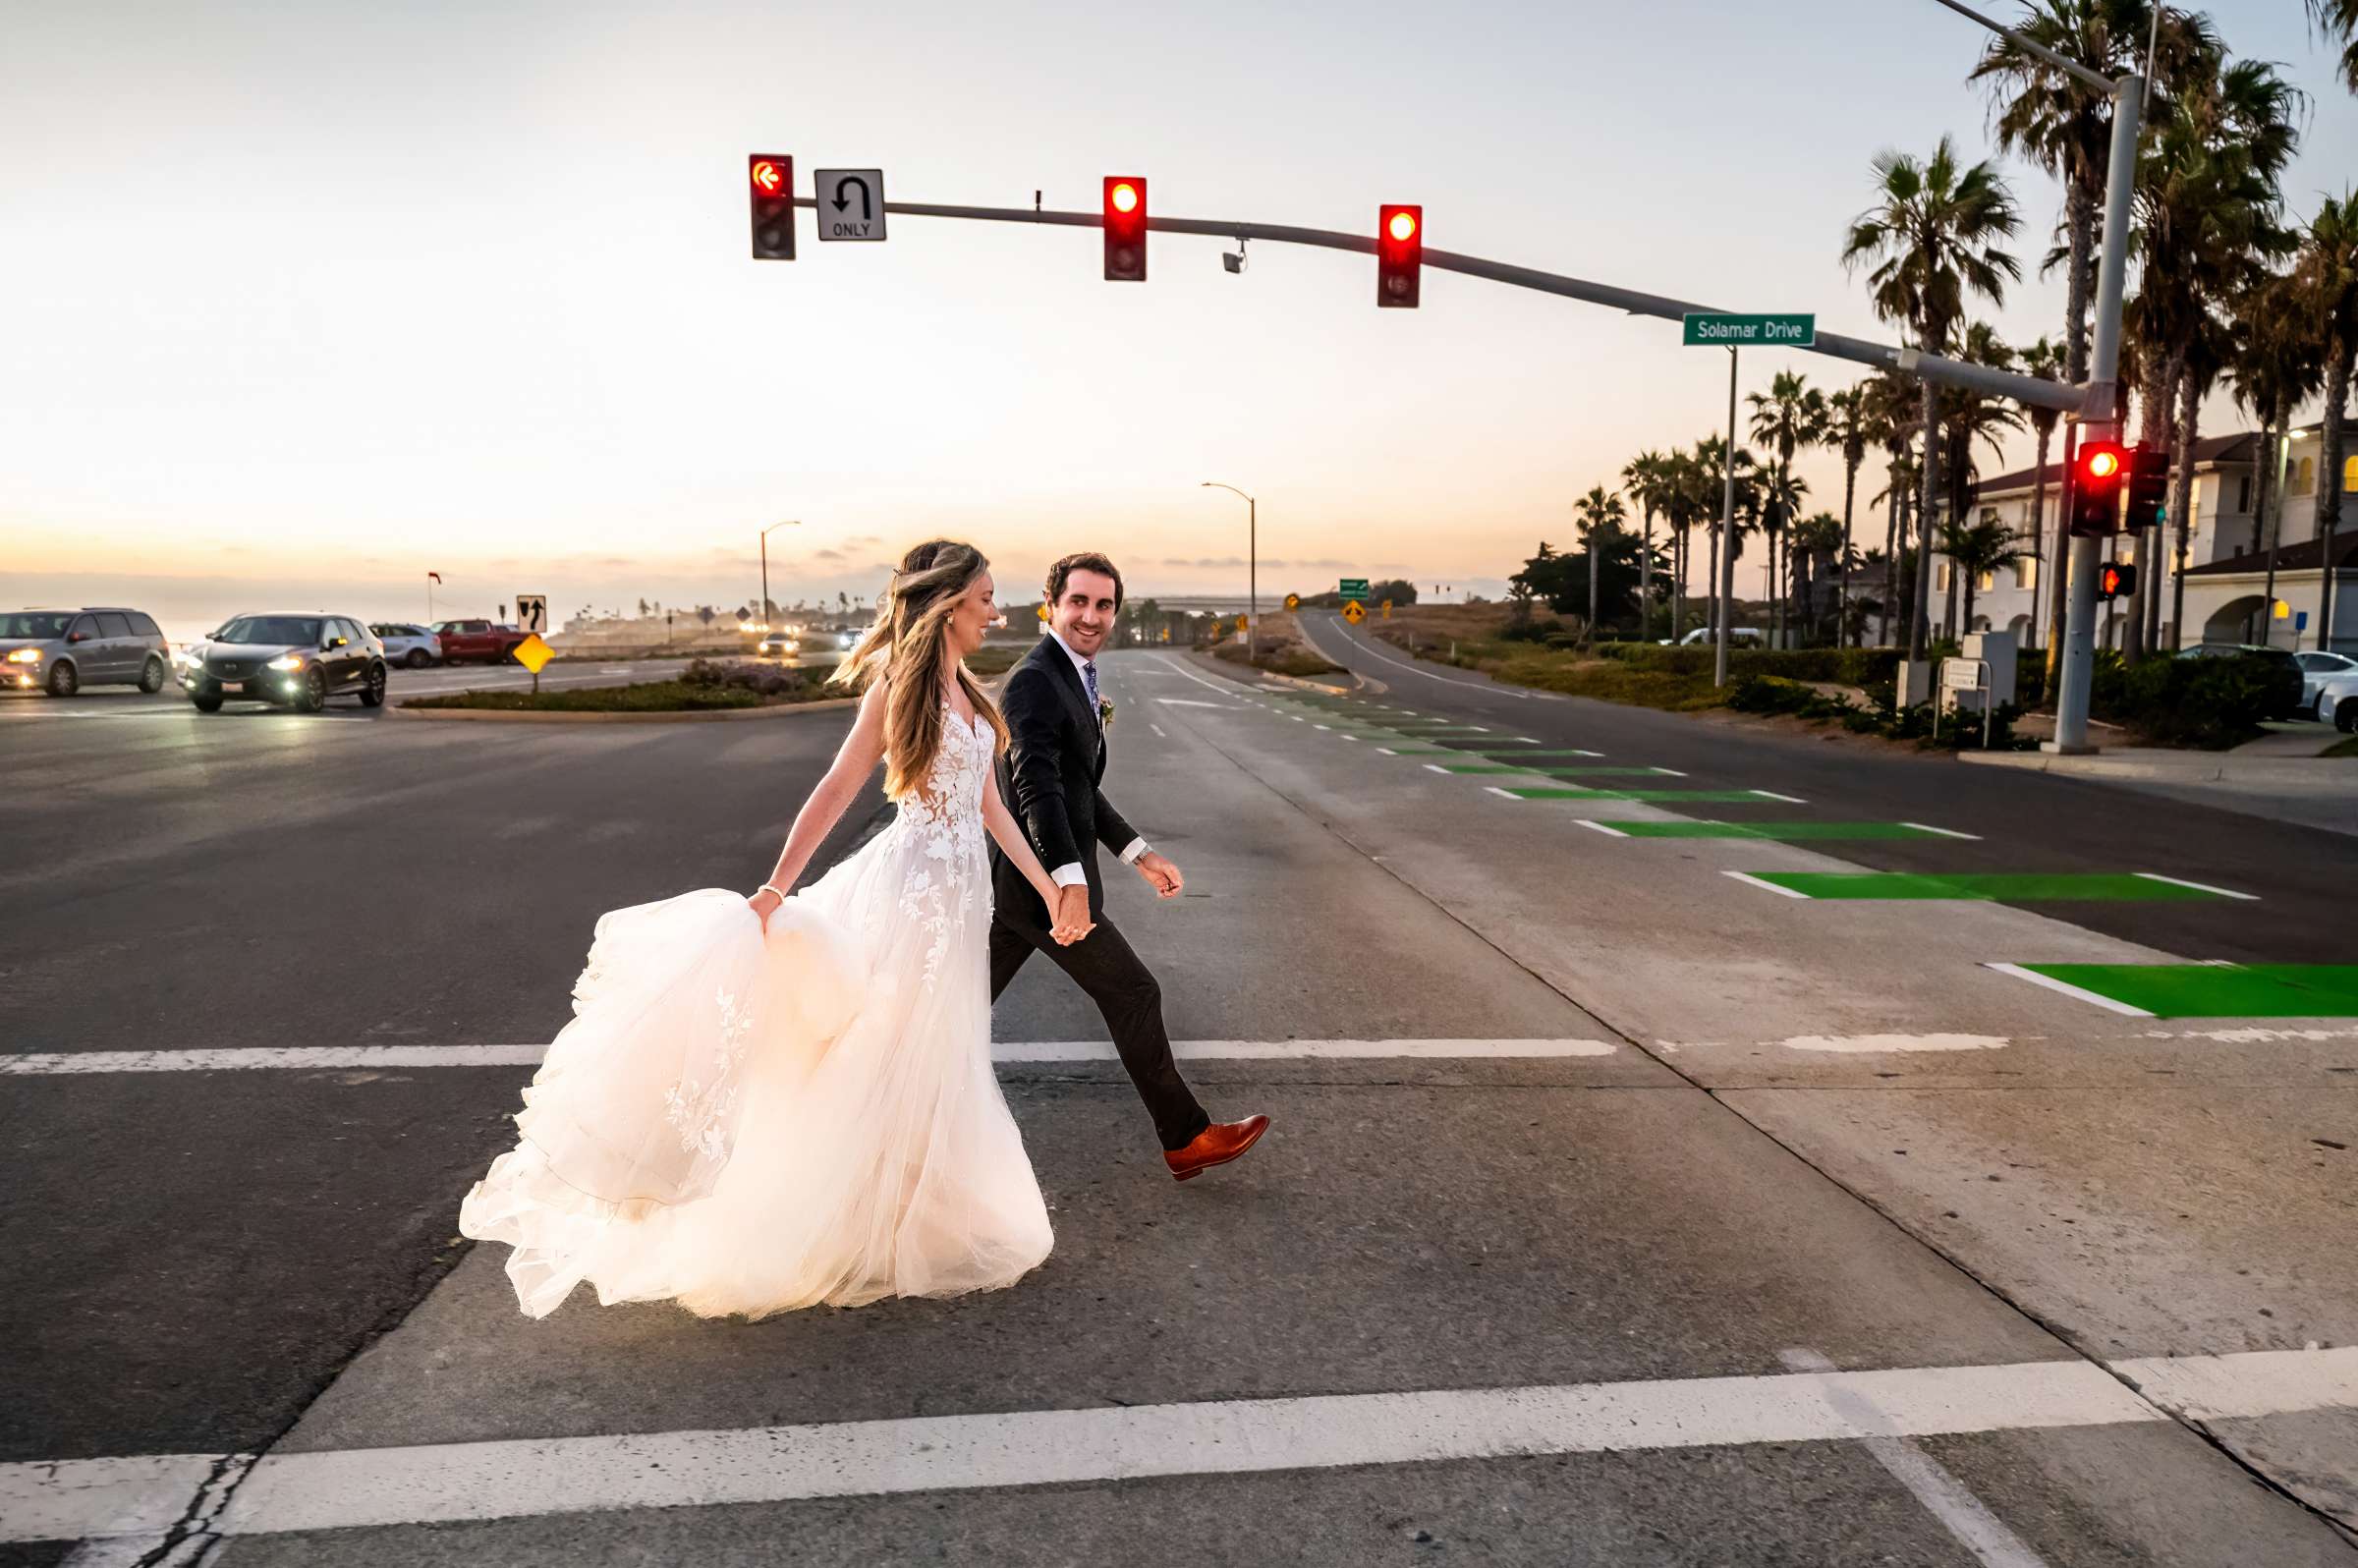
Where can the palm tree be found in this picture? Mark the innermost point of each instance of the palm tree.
(1789, 416)
(1600, 515)
(1822, 540)
(1681, 511)
(1932, 239)
(2339, 19)
(2276, 364)
(1850, 425)
(2329, 274)
(1709, 475)
(1973, 548)
(1891, 403)
(2045, 358)
(1646, 477)
(1968, 417)
(2064, 124)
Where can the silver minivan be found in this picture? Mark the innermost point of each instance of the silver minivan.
(61, 651)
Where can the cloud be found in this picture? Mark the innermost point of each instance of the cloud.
(1238, 562)
(829, 555)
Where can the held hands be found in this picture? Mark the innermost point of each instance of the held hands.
(763, 904)
(1161, 875)
(1070, 912)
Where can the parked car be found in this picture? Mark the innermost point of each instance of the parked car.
(2337, 702)
(404, 644)
(2289, 682)
(1735, 634)
(477, 639)
(2317, 664)
(778, 646)
(61, 651)
(293, 660)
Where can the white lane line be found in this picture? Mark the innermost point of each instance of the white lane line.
(1321, 727)
(317, 1058)
(2069, 990)
(531, 1477)
(1181, 669)
(1771, 795)
(1610, 833)
(1944, 1496)
(1746, 876)
(1157, 728)
(2200, 887)
(1945, 832)
(1493, 688)
(1341, 736)
(524, 1478)
(1506, 794)
(1672, 771)
(1878, 1044)
(1190, 701)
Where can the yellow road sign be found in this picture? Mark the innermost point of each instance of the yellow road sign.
(1243, 621)
(1354, 612)
(1293, 601)
(532, 653)
(1387, 609)
(1043, 612)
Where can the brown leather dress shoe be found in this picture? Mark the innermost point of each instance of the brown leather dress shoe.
(1215, 1144)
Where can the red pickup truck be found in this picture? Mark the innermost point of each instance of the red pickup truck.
(477, 639)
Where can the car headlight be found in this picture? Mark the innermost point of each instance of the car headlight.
(25, 655)
(287, 661)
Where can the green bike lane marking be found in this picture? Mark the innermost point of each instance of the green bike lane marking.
(2203, 990)
(1468, 751)
(1555, 769)
(2025, 888)
(1548, 792)
(1707, 828)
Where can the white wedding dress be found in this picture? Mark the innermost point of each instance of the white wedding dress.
(750, 1124)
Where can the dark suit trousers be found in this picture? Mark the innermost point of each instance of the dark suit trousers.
(1108, 971)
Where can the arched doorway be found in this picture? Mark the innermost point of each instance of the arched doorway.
(2239, 620)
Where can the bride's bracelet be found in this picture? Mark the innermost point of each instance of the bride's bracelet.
(769, 887)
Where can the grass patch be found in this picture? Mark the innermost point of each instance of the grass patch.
(648, 697)
(1282, 651)
(996, 658)
(2349, 748)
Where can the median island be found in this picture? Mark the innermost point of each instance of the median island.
(704, 686)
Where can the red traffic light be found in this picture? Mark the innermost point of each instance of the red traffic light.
(2096, 483)
(770, 178)
(1125, 229)
(1399, 256)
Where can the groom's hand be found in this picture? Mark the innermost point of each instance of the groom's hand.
(1160, 874)
(1071, 916)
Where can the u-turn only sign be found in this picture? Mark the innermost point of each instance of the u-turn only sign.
(850, 204)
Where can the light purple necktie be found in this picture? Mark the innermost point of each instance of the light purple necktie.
(1089, 678)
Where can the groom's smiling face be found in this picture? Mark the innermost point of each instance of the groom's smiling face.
(1082, 614)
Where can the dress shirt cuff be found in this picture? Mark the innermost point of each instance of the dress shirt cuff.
(1130, 855)
(1069, 876)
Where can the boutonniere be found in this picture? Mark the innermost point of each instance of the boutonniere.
(1106, 712)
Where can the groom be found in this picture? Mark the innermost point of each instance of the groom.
(1056, 756)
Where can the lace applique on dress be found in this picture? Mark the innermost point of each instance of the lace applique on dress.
(698, 1111)
(945, 814)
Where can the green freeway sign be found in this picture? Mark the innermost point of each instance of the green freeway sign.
(1354, 587)
(1713, 330)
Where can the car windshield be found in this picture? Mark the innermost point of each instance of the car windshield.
(291, 631)
(33, 623)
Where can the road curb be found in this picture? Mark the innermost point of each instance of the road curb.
(705, 715)
(2274, 770)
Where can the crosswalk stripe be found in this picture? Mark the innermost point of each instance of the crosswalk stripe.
(524, 1477)
(319, 1058)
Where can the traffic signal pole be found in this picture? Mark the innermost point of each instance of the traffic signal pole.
(2102, 416)
(2029, 390)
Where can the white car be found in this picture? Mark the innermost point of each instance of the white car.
(1704, 634)
(412, 645)
(2336, 701)
(2315, 665)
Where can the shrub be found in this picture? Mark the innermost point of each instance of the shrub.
(762, 679)
(1846, 666)
(2208, 703)
(1538, 631)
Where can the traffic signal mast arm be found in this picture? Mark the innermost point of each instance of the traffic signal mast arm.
(2033, 391)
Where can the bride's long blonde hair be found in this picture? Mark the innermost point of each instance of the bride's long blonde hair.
(904, 646)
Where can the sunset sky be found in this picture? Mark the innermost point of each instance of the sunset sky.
(306, 300)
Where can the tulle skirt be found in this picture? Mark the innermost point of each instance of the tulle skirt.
(750, 1123)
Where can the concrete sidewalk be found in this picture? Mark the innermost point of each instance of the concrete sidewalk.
(2279, 776)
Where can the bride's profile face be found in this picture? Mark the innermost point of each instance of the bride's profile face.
(978, 607)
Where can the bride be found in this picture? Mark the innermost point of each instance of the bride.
(779, 1101)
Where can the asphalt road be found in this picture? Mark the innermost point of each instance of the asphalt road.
(1585, 1155)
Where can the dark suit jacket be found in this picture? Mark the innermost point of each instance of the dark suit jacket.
(1048, 778)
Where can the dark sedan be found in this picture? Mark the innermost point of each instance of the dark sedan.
(291, 660)
(2278, 662)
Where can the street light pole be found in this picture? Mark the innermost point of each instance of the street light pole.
(1252, 567)
(761, 616)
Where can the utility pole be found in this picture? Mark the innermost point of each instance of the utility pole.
(1725, 588)
(1251, 566)
(762, 615)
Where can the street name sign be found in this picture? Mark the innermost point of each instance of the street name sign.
(1354, 587)
(1715, 329)
(850, 204)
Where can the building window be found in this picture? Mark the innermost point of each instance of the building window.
(2304, 477)
(1984, 581)
(2243, 493)
(1940, 577)
(2026, 572)
(2349, 476)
